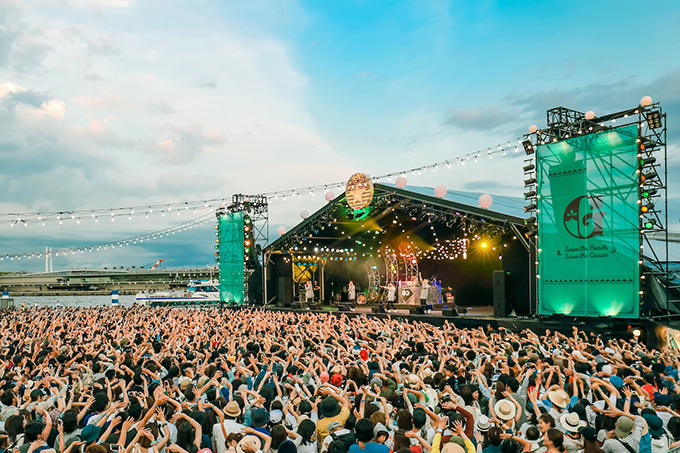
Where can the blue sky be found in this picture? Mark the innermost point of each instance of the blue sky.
(114, 103)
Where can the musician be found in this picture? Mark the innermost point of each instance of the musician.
(309, 291)
(424, 290)
(391, 294)
(351, 293)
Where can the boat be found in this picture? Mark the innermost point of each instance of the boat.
(198, 292)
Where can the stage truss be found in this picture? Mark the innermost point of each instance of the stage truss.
(257, 208)
(564, 123)
(373, 281)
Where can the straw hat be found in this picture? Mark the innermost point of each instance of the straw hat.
(505, 409)
(559, 398)
(571, 422)
(483, 423)
(232, 409)
(253, 441)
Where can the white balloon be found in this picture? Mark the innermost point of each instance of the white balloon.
(590, 115)
(304, 213)
(401, 182)
(485, 201)
(282, 230)
(533, 128)
(440, 190)
(330, 196)
(645, 101)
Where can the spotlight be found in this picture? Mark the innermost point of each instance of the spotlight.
(636, 333)
(529, 168)
(484, 245)
(530, 221)
(648, 193)
(530, 194)
(647, 208)
(530, 181)
(529, 147)
(654, 120)
(531, 207)
(646, 144)
(650, 223)
(647, 161)
(649, 175)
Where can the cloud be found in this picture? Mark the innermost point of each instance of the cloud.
(29, 51)
(159, 107)
(112, 102)
(206, 85)
(181, 145)
(480, 118)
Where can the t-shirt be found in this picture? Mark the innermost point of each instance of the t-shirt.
(369, 447)
(322, 426)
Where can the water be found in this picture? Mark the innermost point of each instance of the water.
(71, 301)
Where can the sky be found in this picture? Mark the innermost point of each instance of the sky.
(123, 103)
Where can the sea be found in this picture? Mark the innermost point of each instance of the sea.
(70, 301)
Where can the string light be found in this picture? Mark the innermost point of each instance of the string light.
(146, 210)
(185, 226)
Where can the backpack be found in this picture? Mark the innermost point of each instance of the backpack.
(348, 439)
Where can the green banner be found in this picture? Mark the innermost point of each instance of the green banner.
(588, 235)
(230, 235)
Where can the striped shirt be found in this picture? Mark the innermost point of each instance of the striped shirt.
(633, 439)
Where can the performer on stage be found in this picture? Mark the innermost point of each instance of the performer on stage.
(309, 292)
(352, 294)
(391, 294)
(424, 289)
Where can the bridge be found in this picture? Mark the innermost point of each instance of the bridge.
(96, 282)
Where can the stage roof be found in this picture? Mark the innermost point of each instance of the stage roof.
(434, 226)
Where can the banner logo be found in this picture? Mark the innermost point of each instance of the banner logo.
(583, 217)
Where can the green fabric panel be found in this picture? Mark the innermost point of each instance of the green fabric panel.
(588, 231)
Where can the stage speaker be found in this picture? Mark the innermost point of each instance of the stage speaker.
(285, 292)
(449, 312)
(501, 296)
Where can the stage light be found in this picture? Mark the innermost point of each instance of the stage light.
(531, 207)
(649, 193)
(483, 245)
(654, 120)
(636, 332)
(529, 168)
(530, 181)
(646, 208)
(528, 147)
(530, 220)
(650, 223)
(530, 194)
(649, 175)
(647, 161)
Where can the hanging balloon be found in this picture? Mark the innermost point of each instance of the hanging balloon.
(533, 128)
(485, 201)
(440, 190)
(590, 115)
(330, 196)
(401, 182)
(304, 213)
(645, 101)
(282, 230)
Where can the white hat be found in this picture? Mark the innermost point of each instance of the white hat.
(505, 409)
(571, 422)
(483, 423)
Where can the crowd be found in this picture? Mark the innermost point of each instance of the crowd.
(247, 381)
